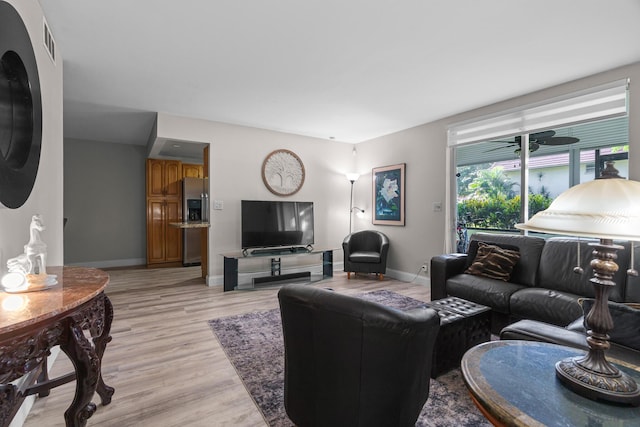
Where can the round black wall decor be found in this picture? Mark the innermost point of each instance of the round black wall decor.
(20, 110)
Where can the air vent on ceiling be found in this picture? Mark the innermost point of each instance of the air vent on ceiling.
(49, 43)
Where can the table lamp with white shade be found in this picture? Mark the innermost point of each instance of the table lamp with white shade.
(607, 208)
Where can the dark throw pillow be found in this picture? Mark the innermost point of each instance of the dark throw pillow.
(493, 262)
(473, 249)
(626, 322)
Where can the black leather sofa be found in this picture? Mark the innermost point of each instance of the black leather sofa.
(573, 335)
(624, 338)
(542, 285)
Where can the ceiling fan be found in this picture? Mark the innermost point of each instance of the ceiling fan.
(536, 140)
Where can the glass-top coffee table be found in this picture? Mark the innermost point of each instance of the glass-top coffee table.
(514, 384)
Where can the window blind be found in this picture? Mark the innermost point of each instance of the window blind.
(601, 102)
(592, 135)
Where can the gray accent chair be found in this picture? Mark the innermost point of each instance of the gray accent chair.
(353, 362)
(365, 252)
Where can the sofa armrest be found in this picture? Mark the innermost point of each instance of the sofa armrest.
(632, 293)
(443, 267)
(532, 330)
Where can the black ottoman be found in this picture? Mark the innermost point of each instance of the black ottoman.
(463, 324)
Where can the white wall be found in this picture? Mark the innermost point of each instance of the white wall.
(47, 195)
(424, 150)
(236, 155)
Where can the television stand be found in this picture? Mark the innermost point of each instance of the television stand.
(231, 264)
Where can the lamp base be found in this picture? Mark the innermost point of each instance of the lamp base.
(598, 380)
(592, 376)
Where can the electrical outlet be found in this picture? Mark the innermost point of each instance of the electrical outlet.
(425, 268)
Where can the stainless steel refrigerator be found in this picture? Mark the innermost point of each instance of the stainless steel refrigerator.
(193, 193)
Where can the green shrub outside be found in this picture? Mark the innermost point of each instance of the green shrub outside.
(499, 212)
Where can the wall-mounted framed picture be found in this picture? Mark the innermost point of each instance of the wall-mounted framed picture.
(388, 195)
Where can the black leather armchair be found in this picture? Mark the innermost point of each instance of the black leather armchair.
(365, 252)
(353, 362)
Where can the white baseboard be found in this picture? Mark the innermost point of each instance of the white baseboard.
(214, 280)
(130, 262)
(419, 279)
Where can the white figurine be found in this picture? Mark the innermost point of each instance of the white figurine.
(30, 268)
(36, 249)
(34, 258)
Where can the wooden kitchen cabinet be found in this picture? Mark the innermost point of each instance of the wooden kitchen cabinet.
(164, 206)
(164, 178)
(164, 242)
(192, 171)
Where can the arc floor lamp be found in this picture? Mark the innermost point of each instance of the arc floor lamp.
(352, 177)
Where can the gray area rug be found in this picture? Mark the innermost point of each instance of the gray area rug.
(254, 345)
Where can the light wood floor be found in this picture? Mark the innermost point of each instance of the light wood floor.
(164, 361)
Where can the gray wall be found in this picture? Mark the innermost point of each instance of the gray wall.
(104, 201)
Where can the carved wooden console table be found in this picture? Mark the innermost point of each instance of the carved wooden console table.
(67, 315)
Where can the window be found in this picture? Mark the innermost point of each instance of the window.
(489, 191)
(588, 127)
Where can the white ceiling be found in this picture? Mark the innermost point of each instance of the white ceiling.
(348, 69)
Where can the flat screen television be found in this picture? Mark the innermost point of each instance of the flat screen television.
(268, 224)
